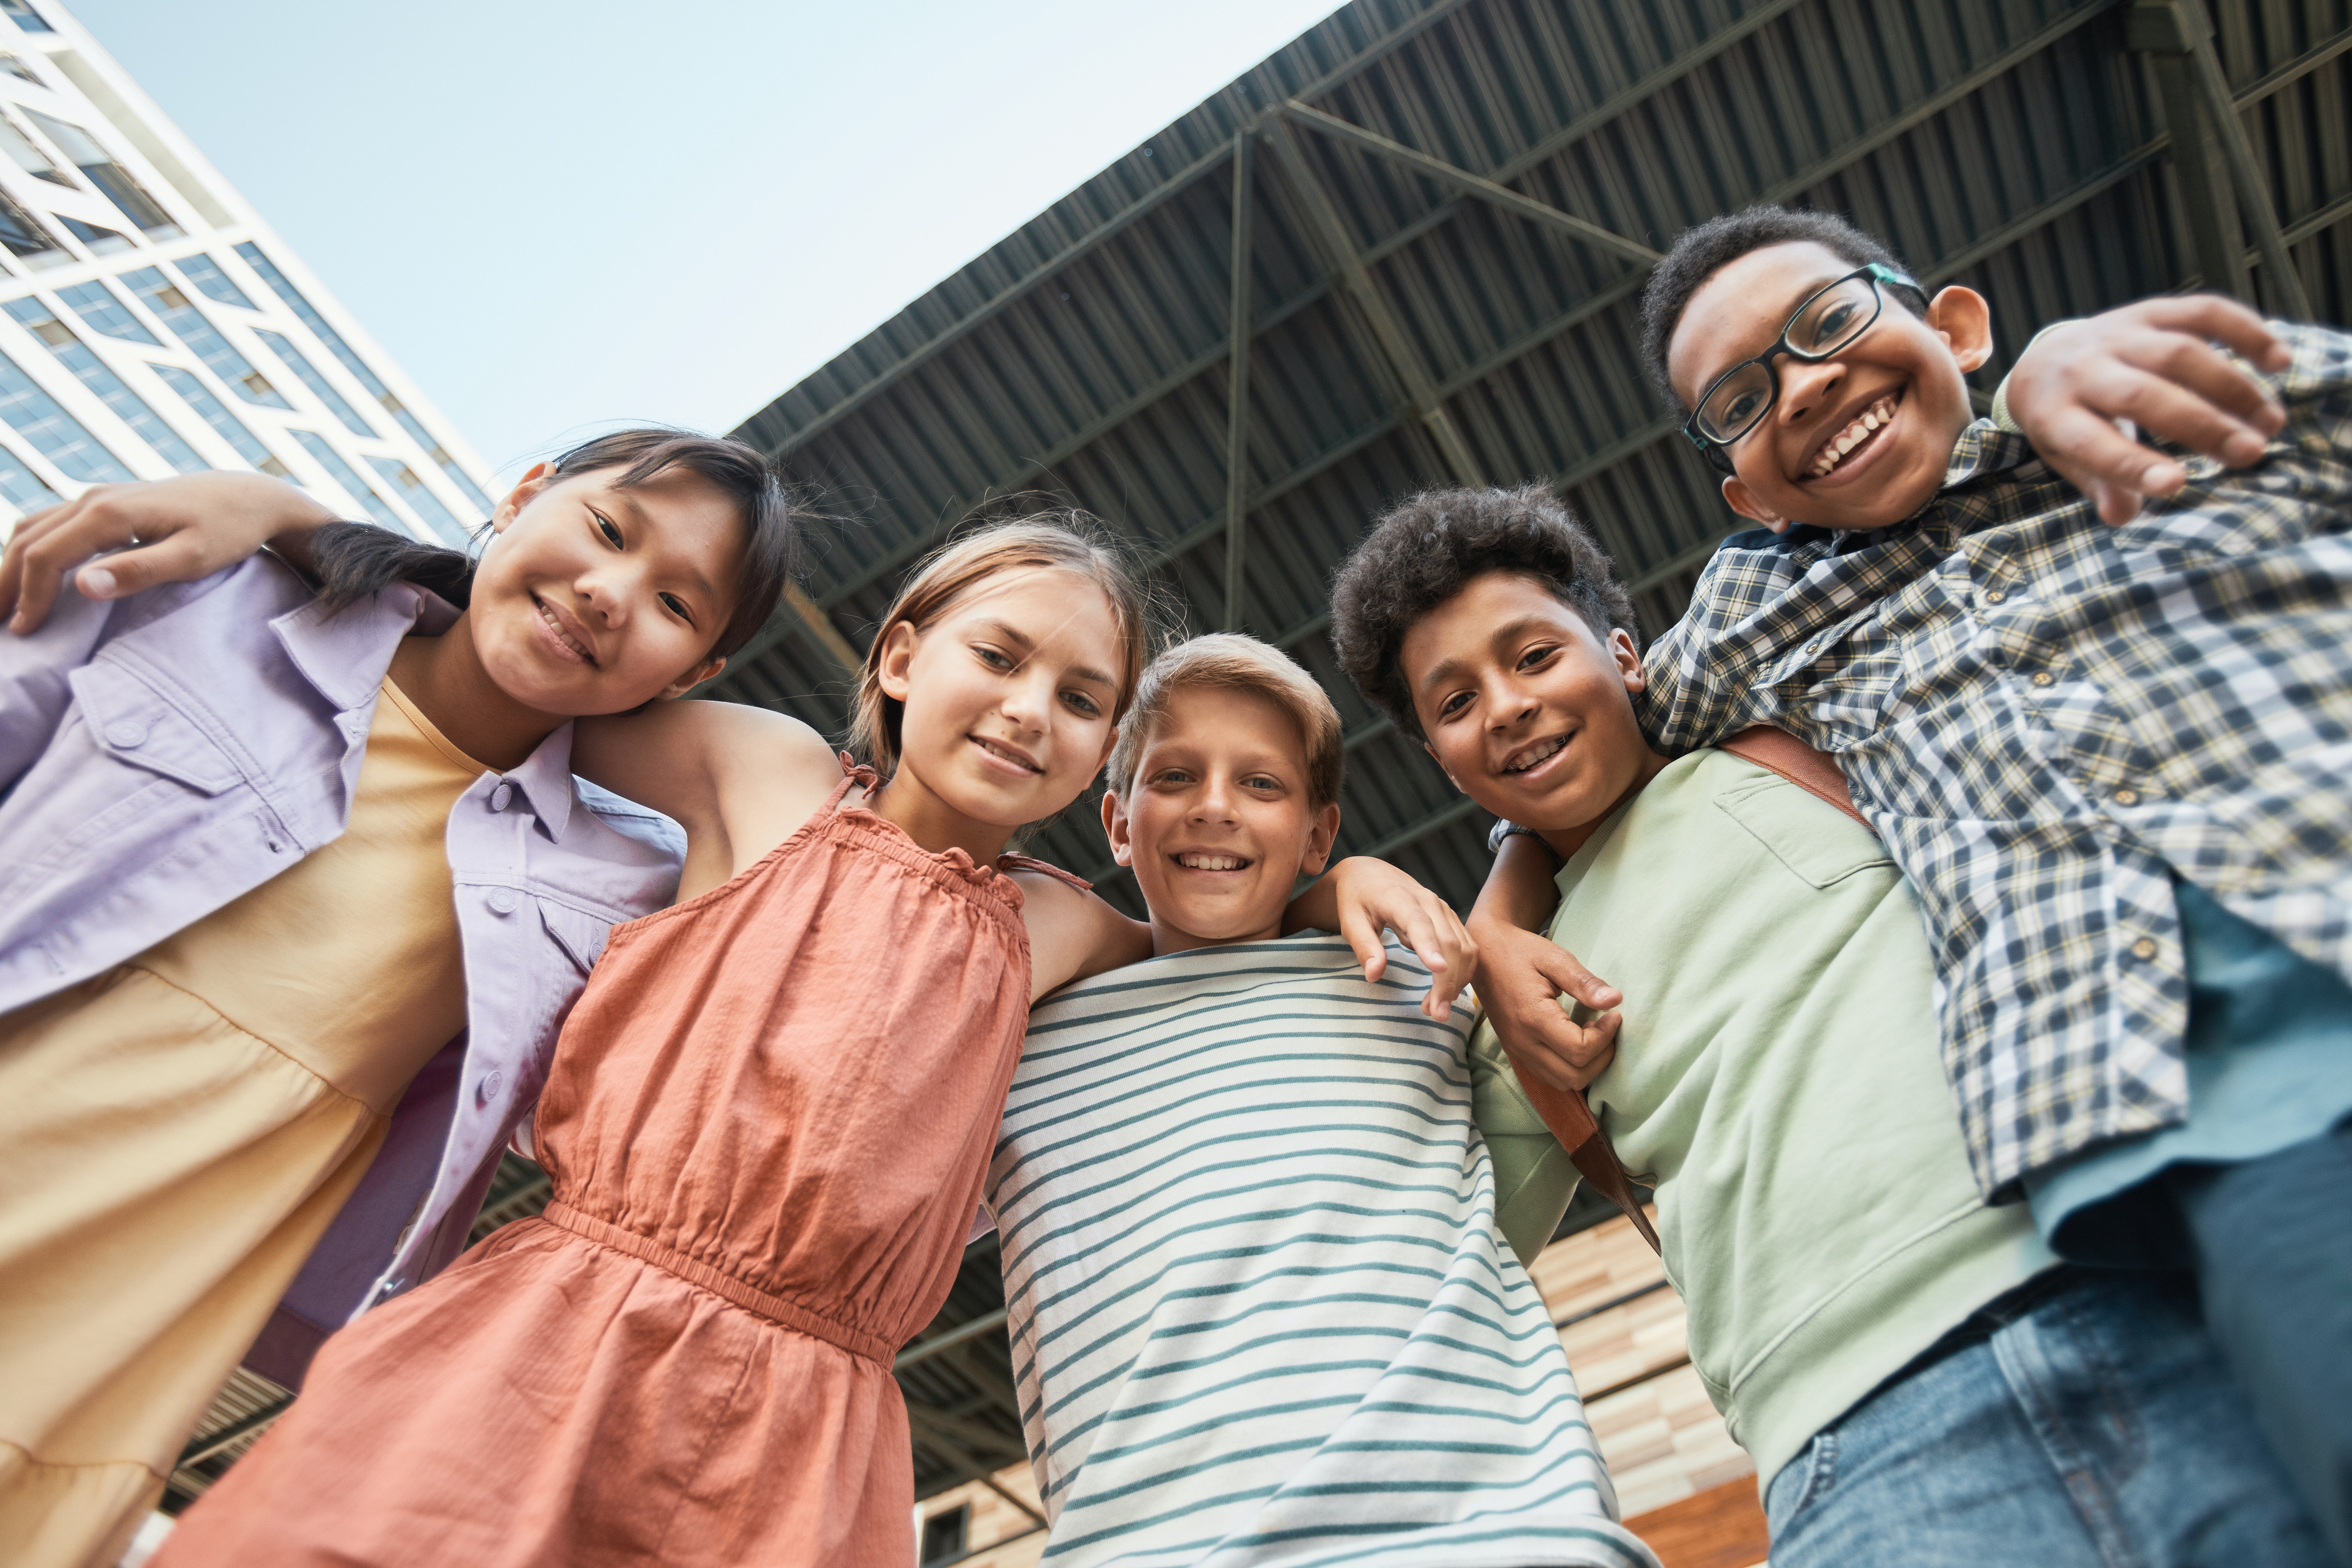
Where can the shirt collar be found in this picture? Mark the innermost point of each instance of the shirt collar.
(1983, 451)
(544, 778)
(344, 653)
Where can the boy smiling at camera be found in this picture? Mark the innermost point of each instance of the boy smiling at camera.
(1776, 1077)
(1258, 1307)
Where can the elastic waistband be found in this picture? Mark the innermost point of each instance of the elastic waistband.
(776, 1308)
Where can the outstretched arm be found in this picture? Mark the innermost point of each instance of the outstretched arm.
(1522, 974)
(162, 530)
(2160, 364)
(738, 779)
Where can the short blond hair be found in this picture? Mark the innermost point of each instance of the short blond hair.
(1067, 541)
(1227, 661)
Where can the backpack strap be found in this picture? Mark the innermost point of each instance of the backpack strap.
(1777, 752)
(1571, 1121)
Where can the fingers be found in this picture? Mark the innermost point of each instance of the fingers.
(1567, 975)
(177, 559)
(48, 545)
(1563, 1052)
(2091, 452)
(1450, 954)
(1363, 934)
(2188, 392)
(2227, 320)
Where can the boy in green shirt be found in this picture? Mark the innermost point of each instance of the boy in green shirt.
(1776, 1074)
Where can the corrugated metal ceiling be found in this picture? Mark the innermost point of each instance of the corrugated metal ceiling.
(2014, 144)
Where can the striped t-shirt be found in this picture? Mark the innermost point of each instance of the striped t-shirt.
(1259, 1312)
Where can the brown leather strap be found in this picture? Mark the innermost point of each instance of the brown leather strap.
(1777, 752)
(776, 1308)
(1571, 1120)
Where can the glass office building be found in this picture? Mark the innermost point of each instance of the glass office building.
(151, 324)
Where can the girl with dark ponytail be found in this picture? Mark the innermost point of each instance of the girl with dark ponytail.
(296, 888)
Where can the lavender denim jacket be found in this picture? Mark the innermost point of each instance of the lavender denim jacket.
(163, 754)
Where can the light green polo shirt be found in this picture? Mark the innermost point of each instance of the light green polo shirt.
(1777, 1081)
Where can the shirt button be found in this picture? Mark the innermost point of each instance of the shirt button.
(503, 901)
(2127, 796)
(490, 1088)
(2144, 949)
(125, 733)
(502, 797)
(1995, 596)
(2042, 678)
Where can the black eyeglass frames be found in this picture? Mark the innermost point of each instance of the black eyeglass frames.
(1830, 318)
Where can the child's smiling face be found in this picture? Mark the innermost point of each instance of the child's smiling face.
(1008, 695)
(1528, 710)
(1220, 822)
(596, 597)
(1858, 441)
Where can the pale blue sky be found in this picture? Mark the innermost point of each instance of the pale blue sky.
(556, 214)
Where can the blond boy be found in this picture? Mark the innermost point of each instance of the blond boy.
(1260, 1312)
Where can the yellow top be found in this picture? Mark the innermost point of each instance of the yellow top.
(182, 1130)
(349, 962)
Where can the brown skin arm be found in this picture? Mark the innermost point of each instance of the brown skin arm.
(2157, 364)
(1522, 974)
(186, 527)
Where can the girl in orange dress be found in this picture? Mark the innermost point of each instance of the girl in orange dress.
(768, 1123)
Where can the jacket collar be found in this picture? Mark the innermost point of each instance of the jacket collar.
(545, 780)
(344, 654)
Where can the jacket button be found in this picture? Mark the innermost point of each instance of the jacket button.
(502, 796)
(503, 901)
(125, 733)
(489, 1090)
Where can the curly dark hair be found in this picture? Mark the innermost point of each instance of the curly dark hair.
(1427, 550)
(1700, 252)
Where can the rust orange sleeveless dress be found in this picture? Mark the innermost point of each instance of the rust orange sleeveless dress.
(768, 1122)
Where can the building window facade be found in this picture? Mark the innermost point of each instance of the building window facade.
(284, 288)
(94, 373)
(177, 312)
(54, 433)
(215, 413)
(421, 500)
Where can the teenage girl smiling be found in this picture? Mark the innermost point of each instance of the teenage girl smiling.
(767, 1123)
(290, 878)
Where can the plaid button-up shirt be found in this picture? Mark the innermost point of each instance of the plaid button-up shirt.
(2048, 720)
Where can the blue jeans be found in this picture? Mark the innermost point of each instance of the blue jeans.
(2099, 1428)
(2272, 1239)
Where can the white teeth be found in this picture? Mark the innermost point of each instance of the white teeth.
(566, 638)
(1853, 435)
(1211, 862)
(1526, 760)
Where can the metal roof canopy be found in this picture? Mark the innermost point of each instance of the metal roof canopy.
(1446, 209)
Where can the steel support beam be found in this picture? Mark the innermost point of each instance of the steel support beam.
(937, 1433)
(1237, 366)
(1339, 254)
(1477, 186)
(2159, 30)
(2220, 182)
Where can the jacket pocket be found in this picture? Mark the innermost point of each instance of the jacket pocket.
(136, 724)
(581, 936)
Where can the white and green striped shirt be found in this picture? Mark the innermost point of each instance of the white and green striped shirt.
(1259, 1312)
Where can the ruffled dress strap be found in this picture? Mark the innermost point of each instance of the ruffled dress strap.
(1029, 863)
(854, 775)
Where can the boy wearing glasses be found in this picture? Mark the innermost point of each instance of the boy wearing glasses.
(2112, 761)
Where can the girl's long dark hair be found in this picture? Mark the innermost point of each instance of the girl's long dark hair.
(354, 560)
